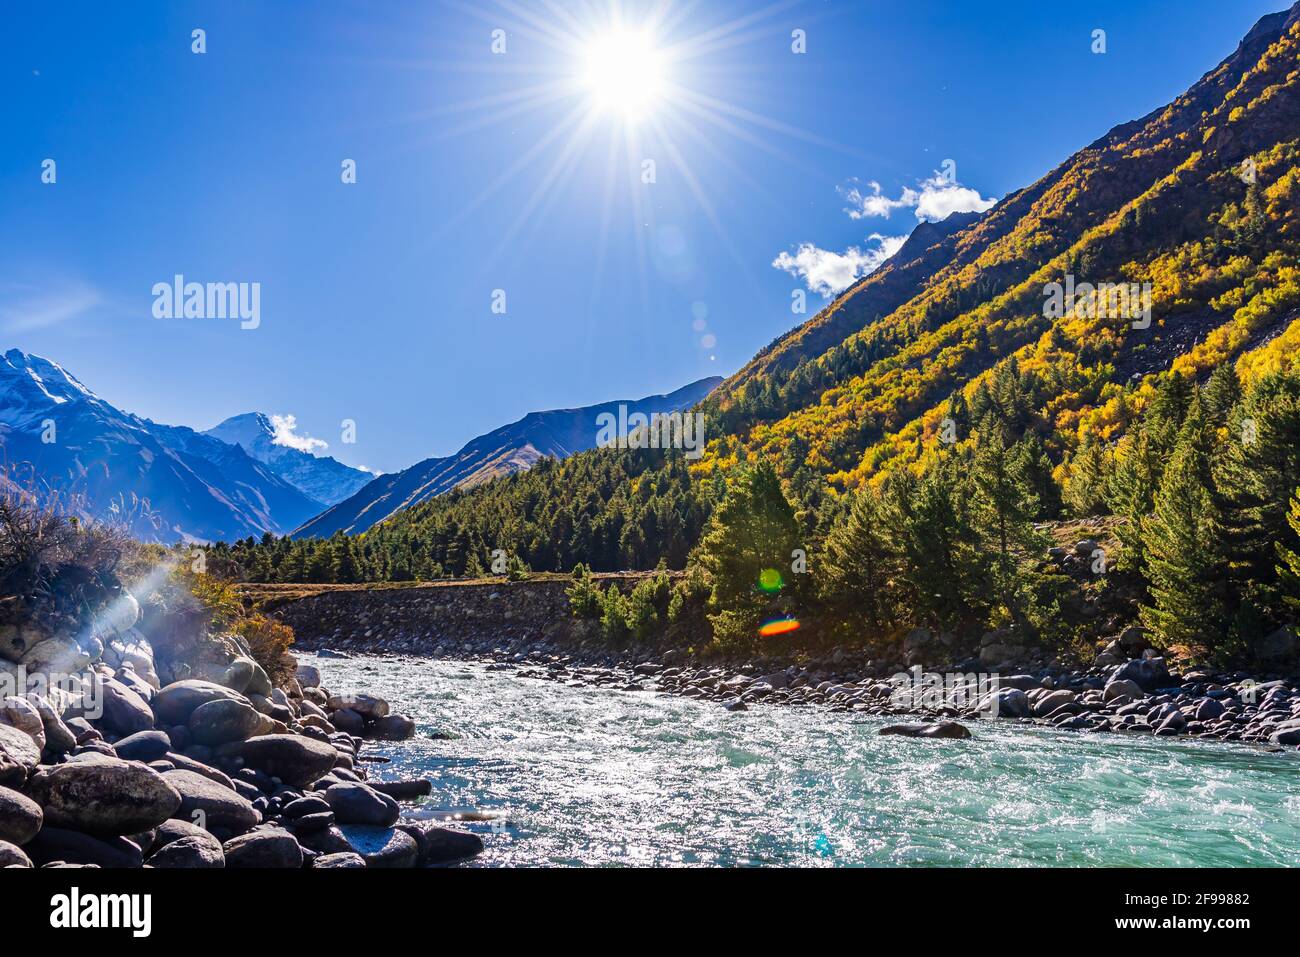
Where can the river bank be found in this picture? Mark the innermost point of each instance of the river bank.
(1135, 696)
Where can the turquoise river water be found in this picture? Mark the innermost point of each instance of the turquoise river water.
(556, 775)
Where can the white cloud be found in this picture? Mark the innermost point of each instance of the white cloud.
(827, 272)
(937, 199)
(286, 434)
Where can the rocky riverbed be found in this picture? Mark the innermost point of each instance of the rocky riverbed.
(1129, 690)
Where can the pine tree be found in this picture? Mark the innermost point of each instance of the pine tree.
(752, 531)
(1183, 536)
(1257, 475)
(1289, 571)
(859, 563)
(343, 563)
(1085, 486)
(1005, 507)
(941, 577)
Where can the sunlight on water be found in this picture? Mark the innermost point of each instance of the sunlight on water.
(596, 776)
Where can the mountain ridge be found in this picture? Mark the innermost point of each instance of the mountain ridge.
(517, 446)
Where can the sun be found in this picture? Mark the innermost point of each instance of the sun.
(624, 72)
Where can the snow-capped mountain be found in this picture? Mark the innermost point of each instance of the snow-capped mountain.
(266, 439)
(512, 448)
(57, 437)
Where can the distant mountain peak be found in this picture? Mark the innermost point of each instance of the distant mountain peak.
(516, 447)
(274, 440)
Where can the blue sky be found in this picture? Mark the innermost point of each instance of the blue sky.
(481, 171)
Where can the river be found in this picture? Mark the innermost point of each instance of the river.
(593, 776)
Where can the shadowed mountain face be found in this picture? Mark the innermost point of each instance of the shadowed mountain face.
(516, 447)
(167, 483)
(324, 479)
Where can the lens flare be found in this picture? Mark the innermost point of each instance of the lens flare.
(769, 581)
(778, 626)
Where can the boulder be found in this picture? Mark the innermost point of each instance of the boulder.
(1133, 640)
(1007, 703)
(59, 738)
(438, 845)
(103, 796)
(1148, 673)
(265, 847)
(392, 727)
(328, 862)
(295, 759)
(1122, 690)
(308, 675)
(22, 714)
(222, 721)
(61, 655)
(941, 729)
(384, 847)
(1048, 703)
(18, 756)
(359, 804)
(17, 639)
(11, 856)
(326, 840)
(239, 675)
(74, 847)
(210, 805)
(1208, 710)
(125, 712)
(177, 701)
(20, 817)
(143, 746)
(191, 853)
(348, 721)
(368, 706)
(1286, 735)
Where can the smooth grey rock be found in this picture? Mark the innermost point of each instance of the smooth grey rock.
(74, 847)
(103, 796)
(392, 727)
(125, 712)
(13, 856)
(22, 714)
(220, 722)
(366, 705)
(359, 804)
(1122, 689)
(297, 760)
(383, 847)
(143, 746)
(190, 853)
(18, 756)
(941, 729)
(270, 847)
(338, 861)
(177, 701)
(438, 845)
(210, 805)
(20, 817)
